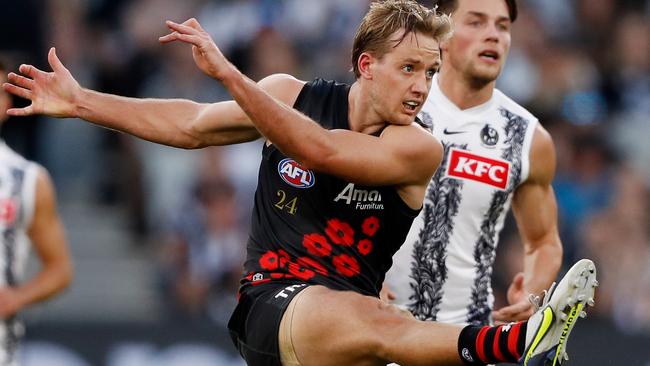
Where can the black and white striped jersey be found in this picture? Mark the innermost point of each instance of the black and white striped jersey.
(17, 195)
(443, 270)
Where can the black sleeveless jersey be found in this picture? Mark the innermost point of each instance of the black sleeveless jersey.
(316, 228)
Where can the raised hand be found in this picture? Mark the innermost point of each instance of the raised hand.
(51, 93)
(207, 55)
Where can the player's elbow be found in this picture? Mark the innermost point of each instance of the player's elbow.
(189, 133)
(318, 156)
(190, 139)
(194, 144)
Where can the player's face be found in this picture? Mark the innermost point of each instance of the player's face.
(481, 39)
(402, 78)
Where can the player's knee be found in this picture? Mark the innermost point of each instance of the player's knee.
(386, 323)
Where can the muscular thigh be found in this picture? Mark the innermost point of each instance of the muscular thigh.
(329, 327)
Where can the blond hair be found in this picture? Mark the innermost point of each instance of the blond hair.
(387, 17)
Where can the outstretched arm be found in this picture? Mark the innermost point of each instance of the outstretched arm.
(357, 157)
(48, 238)
(535, 211)
(174, 122)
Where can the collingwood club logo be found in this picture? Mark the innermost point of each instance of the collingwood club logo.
(489, 136)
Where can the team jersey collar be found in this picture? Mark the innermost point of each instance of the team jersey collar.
(442, 100)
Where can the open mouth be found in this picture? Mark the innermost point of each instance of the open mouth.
(411, 105)
(489, 55)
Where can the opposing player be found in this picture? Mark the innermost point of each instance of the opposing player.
(28, 217)
(495, 154)
(343, 174)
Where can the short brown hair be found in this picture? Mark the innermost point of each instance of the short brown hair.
(387, 17)
(450, 6)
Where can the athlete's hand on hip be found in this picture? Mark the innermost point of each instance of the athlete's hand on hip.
(51, 93)
(519, 308)
(207, 55)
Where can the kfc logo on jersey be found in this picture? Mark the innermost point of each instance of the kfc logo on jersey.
(295, 175)
(465, 165)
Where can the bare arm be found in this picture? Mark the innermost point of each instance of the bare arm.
(357, 157)
(535, 211)
(360, 158)
(183, 123)
(48, 238)
(174, 122)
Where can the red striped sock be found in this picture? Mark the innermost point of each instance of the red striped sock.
(485, 345)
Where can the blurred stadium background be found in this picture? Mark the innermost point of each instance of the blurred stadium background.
(158, 234)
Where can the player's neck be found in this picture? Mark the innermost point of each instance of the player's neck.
(463, 92)
(361, 116)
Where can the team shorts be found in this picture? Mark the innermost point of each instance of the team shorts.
(255, 322)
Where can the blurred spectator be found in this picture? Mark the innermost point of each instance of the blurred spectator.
(276, 51)
(203, 259)
(618, 239)
(23, 37)
(630, 63)
(631, 91)
(583, 188)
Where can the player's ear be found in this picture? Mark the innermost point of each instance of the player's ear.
(365, 64)
(444, 45)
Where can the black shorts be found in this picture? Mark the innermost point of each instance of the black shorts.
(255, 323)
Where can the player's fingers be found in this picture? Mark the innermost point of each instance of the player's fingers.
(168, 37)
(17, 91)
(514, 317)
(21, 112)
(498, 316)
(181, 28)
(513, 312)
(54, 61)
(29, 70)
(20, 81)
(519, 280)
(518, 308)
(503, 314)
(176, 36)
(192, 22)
(187, 38)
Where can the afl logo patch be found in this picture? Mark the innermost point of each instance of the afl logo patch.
(489, 136)
(295, 175)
